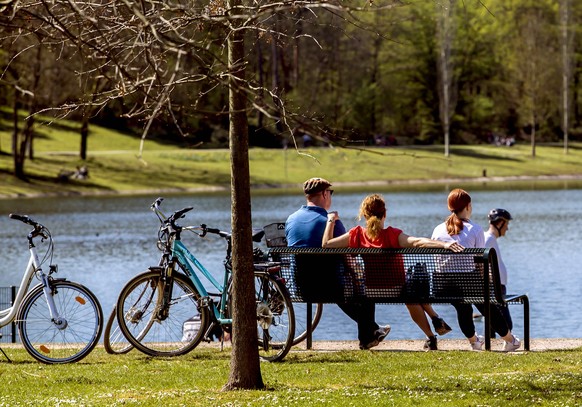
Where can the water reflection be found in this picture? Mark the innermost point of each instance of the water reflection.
(102, 242)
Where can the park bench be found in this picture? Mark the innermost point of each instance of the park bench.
(392, 276)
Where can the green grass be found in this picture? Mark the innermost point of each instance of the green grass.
(115, 164)
(346, 378)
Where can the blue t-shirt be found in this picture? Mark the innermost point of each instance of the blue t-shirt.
(305, 227)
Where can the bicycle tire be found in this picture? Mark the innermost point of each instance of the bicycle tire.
(71, 341)
(300, 310)
(275, 318)
(114, 342)
(139, 318)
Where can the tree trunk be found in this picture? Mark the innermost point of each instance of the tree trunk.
(245, 371)
(533, 136)
(84, 135)
(445, 36)
(564, 22)
(17, 157)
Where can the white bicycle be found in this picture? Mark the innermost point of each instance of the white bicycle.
(58, 321)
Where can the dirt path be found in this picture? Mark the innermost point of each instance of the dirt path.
(417, 344)
(443, 344)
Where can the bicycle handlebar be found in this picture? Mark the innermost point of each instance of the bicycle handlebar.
(171, 220)
(39, 229)
(23, 218)
(214, 231)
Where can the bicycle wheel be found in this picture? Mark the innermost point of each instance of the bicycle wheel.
(301, 319)
(114, 342)
(275, 318)
(157, 330)
(68, 339)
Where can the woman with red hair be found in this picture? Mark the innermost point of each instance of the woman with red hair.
(459, 228)
(373, 209)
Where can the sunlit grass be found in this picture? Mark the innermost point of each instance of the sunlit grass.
(347, 378)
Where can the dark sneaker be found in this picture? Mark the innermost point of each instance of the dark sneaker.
(431, 343)
(382, 332)
(379, 336)
(369, 345)
(440, 326)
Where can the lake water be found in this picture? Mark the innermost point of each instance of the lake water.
(102, 242)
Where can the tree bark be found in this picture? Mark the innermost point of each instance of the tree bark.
(84, 135)
(564, 22)
(245, 372)
(445, 30)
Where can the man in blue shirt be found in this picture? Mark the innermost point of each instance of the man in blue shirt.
(305, 228)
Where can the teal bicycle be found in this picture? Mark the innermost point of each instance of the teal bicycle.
(167, 311)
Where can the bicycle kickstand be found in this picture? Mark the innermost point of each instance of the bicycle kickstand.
(5, 355)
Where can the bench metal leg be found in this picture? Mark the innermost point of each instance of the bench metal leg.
(525, 302)
(309, 320)
(487, 323)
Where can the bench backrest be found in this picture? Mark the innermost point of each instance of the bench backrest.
(389, 275)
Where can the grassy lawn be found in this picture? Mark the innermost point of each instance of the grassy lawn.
(346, 378)
(116, 166)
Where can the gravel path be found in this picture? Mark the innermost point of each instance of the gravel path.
(412, 345)
(443, 344)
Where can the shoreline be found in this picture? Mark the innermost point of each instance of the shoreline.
(273, 187)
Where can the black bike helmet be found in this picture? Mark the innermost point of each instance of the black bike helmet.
(498, 214)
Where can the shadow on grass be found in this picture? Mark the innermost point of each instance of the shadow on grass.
(468, 152)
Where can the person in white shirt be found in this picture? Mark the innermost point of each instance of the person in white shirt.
(498, 227)
(458, 227)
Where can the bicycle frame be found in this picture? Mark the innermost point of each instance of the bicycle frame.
(9, 314)
(183, 256)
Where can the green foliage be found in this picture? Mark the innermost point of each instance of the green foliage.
(347, 378)
(347, 75)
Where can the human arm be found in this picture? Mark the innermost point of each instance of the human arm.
(410, 241)
(328, 240)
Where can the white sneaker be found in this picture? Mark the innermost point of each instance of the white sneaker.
(478, 344)
(513, 345)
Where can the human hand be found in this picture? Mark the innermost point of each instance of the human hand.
(332, 216)
(454, 246)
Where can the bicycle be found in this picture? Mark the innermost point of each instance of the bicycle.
(58, 321)
(167, 311)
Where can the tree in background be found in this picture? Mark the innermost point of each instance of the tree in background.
(533, 68)
(445, 32)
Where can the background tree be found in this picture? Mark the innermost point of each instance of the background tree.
(566, 46)
(445, 32)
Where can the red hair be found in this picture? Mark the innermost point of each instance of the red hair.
(458, 200)
(373, 209)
